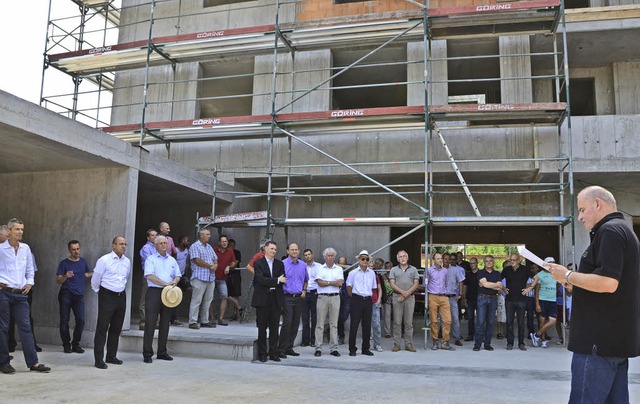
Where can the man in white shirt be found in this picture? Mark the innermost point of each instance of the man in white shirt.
(360, 284)
(109, 281)
(329, 279)
(16, 280)
(160, 270)
(309, 312)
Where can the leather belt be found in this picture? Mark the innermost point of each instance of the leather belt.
(328, 294)
(111, 292)
(293, 294)
(361, 297)
(482, 294)
(11, 290)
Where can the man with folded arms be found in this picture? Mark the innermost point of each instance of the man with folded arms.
(404, 281)
(360, 284)
(160, 270)
(16, 279)
(109, 281)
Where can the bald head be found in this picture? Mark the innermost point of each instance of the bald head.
(594, 203)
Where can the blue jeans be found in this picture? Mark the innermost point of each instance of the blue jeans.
(599, 379)
(455, 319)
(68, 301)
(18, 306)
(376, 331)
(486, 319)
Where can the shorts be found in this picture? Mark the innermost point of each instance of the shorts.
(548, 309)
(234, 283)
(221, 288)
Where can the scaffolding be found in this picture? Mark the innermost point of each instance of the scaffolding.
(440, 120)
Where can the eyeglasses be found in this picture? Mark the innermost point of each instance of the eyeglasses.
(364, 259)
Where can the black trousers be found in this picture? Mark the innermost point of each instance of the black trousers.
(111, 309)
(515, 309)
(530, 307)
(153, 308)
(361, 310)
(12, 325)
(290, 322)
(343, 315)
(309, 318)
(268, 317)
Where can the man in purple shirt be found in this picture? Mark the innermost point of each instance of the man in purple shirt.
(439, 303)
(295, 270)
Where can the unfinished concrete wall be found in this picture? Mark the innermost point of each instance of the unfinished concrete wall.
(520, 90)
(627, 87)
(439, 92)
(93, 206)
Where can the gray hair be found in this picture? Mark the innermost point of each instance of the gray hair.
(13, 222)
(201, 231)
(159, 239)
(329, 250)
(593, 192)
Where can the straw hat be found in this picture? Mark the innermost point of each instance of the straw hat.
(171, 296)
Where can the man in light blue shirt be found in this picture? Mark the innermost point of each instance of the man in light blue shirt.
(455, 278)
(160, 270)
(145, 252)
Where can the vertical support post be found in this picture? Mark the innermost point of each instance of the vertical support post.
(427, 165)
(215, 190)
(44, 55)
(146, 74)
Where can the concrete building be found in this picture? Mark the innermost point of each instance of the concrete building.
(323, 111)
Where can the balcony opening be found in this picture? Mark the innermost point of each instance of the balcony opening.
(225, 89)
(576, 4)
(379, 81)
(474, 69)
(583, 96)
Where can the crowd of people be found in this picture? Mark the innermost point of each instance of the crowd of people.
(372, 294)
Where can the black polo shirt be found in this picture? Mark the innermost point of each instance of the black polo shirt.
(516, 281)
(471, 280)
(493, 276)
(609, 321)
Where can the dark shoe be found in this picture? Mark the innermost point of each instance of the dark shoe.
(67, 349)
(38, 349)
(522, 347)
(282, 355)
(177, 323)
(352, 353)
(335, 353)
(208, 325)
(194, 326)
(165, 357)
(7, 369)
(469, 338)
(458, 343)
(304, 344)
(275, 358)
(499, 336)
(234, 317)
(10, 357)
(222, 322)
(114, 361)
(101, 365)
(77, 349)
(509, 347)
(388, 336)
(476, 348)
(488, 347)
(317, 354)
(262, 359)
(435, 346)
(147, 360)
(409, 348)
(291, 352)
(141, 326)
(368, 353)
(40, 368)
(341, 341)
(446, 347)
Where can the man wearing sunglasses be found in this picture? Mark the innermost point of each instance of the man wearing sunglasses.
(360, 284)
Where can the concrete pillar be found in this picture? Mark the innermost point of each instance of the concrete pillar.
(416, 72)
(515, 91)
(626, 87)
(317, 100)
(263, 82)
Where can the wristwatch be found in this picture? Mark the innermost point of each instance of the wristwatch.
(566, 277)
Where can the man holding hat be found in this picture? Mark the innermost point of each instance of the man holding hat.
(160, 270)
(360, 284)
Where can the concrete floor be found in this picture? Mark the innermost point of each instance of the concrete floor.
(425, 376)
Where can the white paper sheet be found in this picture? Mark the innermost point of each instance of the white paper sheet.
(530, 256)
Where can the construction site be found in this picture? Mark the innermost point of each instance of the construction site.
(381, 125)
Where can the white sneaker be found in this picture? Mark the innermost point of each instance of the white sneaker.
(378, 348)
(544, 343)
(535, 340)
